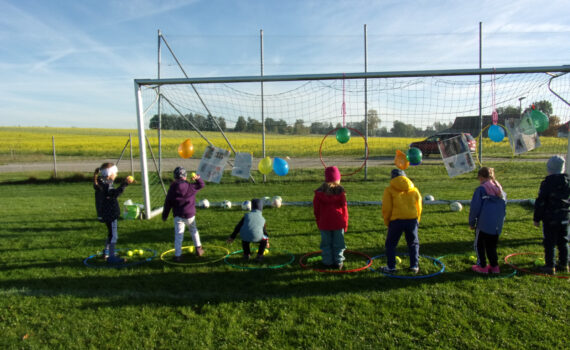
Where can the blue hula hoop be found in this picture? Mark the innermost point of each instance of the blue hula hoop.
(292, 258)
(435, 260)
(119, 266)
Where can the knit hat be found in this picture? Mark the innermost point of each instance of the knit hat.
(179, 172)
(332, 174)
(555, 165)
(106, 172)
(397, 172)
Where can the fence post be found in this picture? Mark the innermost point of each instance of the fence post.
(54, 161)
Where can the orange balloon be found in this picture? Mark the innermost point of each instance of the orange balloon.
(401, 161)
(186, 149)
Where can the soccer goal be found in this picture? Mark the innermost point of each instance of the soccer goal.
(294, 116)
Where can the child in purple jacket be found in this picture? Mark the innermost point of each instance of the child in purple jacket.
(181, 198)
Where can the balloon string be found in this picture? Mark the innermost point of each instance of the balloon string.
(343, 104)
(494, 115)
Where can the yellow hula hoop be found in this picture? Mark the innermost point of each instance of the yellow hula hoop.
(190, 248)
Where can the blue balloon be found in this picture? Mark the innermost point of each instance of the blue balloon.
(496, 133)
(280, 166)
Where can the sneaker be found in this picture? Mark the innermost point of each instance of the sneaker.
(177, 258)
(563, 268)
(115, 260)
(199, 251)
(259, 258)
(414, 270)
(339, 266)
(494, 269)
(479, 269)
(547, 270)
(386, 269)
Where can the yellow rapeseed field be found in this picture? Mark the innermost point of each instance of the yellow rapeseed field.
(103, 143)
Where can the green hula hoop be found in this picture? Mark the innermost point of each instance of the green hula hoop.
(292, 258)
(490, 275)
(206, 247)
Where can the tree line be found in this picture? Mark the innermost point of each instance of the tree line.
(398, 129)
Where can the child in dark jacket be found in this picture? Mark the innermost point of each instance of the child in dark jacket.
(108, 210)
(252, 228)
(331, 215)
(181, 198)
(552, 207)
(486, 217)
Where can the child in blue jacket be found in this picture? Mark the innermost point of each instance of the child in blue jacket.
(486, 217)
(252, 229)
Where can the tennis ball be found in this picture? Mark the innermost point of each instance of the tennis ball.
(141, 252)
(539, 262)
(266, 251)
(130, 178)
(130, 253)
(473, 258)
(191, 249)
(398, 260)
(192, 174)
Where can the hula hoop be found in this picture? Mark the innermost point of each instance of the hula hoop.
(118, 266)
(492, 275)
(211, 261)
(365, 144)
(527, 270)
(292, 258)
(435, 261)
(336, 271)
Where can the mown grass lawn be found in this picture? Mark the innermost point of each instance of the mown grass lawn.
(49, 299)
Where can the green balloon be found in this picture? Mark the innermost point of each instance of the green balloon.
(540, 120)
(343, 135)
(414, 156)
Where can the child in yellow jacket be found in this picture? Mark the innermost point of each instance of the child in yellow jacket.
(402, 211)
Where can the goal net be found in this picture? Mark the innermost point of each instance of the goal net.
(384, 111)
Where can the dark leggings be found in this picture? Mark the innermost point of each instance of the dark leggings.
(247, 251)
(486, 243)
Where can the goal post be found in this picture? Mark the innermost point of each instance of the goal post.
(300, 110)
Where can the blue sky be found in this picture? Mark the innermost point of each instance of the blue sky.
(69, 63)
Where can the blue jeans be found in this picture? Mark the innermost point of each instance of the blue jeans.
(332, 246)
(395, 230)
(555, 236)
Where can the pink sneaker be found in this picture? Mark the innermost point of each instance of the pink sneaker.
(479, 269)
(494, 269)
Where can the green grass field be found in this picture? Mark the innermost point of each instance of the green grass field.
(49, 299)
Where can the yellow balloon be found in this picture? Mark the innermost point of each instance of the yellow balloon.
(186, 149)
(265, 166)
(401, 161)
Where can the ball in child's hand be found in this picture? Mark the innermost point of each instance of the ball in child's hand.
(398, 260)
(192, 175)
(130, 179)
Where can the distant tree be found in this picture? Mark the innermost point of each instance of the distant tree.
(241, 124)
(253, 125)
(508, 112)
(553, 126)
(299, 128)
(373, 121)
(320, 127)
(383, 131)
(404, 130)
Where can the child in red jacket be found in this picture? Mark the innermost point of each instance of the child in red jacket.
(331, 214)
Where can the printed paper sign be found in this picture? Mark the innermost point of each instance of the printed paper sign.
(212, 165)
(522, 134)
(242, 165)
(456, 155)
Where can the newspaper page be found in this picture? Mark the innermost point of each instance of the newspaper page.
(456, 155)
(212, 165)
(242, 165)
(522, 134)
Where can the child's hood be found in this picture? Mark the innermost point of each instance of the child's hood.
(402, 184)
(493, 188)
(329, 197)
(256, 204)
